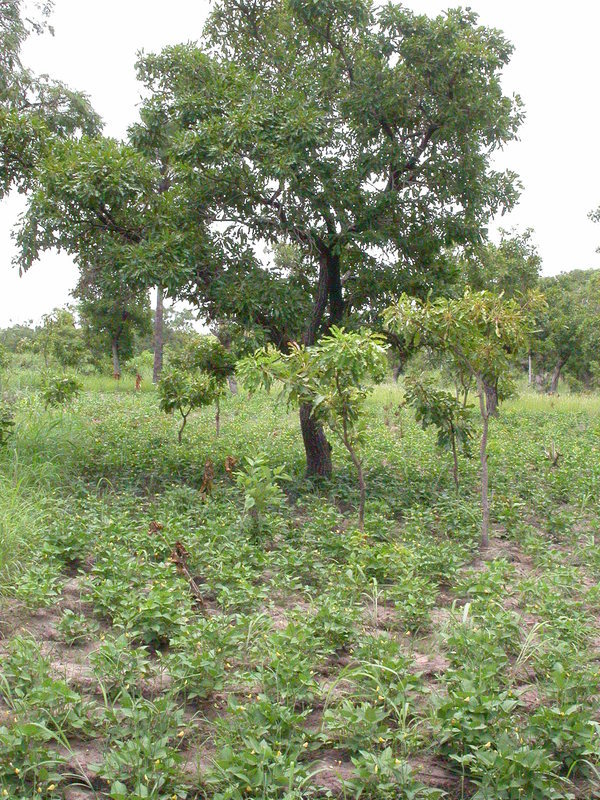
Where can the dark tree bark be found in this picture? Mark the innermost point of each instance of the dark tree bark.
(556, 375)
(329, 292)
(491, 399)
(158, 343)
(316, 446)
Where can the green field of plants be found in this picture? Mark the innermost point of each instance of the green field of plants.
(167, 634)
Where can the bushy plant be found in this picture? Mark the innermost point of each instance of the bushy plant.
(262, 492)
(439, 408)
(184, 392)
(60, 390)
(331, 378)
(199, 369)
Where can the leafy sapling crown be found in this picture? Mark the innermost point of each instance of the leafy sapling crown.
(60, 390)
(197, 377)
(439, 408)
(184, 392)
(481, 333)
(333, 378)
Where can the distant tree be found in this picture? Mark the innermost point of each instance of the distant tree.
(17, 337)
(111, 314)
(511, 267)
(567, 336)
(481, 332)
(59, 340)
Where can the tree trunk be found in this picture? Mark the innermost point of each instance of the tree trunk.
(529, 370)
(181, 429)
(454, 460)
(158, 343)
(233, 387)
(556, 376)
(485, 504)
(316, 446)
(491, 399)
(115, 359)
(218, 417)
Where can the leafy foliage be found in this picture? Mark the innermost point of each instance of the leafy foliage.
(441, 409)
(330, 378)
(7, 420)
(566, 335)
(35, 111)
(262, 492)
(481, 333)
(186, 391)
(59, 390)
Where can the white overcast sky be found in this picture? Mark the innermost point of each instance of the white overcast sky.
(554, 69)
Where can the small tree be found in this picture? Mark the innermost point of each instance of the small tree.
(435, 407)
(206, 355)
(59, 340)
(185, 391)
(481, 332)
(59, 390)
(331, 378)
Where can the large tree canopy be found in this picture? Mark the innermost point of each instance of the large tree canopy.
(363, 135)
(360, 134)
(34, 109)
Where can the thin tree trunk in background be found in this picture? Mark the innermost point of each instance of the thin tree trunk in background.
(530, 375)
(181, 429)
(218, 417)
(115, 359)
(455, 460)
(485, 504)
(233, 387)
(158, 342)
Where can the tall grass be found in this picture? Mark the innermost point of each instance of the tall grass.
(23, 518)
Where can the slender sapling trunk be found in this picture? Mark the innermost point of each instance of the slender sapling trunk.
(115, 359)
(485, 505)
(180, 431)
(454, 459)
